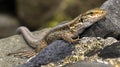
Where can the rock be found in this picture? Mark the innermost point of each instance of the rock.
(52, 53)
(9, 45)
(8, 25)
(87, 64)
(60, 53)
(114, 61)
(111, 51)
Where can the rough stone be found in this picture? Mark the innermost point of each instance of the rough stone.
(87, 64)
(111, 51)
(60, 53)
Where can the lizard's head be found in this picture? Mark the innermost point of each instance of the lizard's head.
(90, 17)
(93, 15)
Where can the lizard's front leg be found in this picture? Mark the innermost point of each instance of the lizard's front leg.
(56, 35)
(64, 34)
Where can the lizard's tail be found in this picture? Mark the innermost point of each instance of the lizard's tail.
(28, 36)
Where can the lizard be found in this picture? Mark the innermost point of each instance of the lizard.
(69, 31)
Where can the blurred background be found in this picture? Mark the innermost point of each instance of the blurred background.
(38, 14)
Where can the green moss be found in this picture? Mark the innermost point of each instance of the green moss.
(57, 19)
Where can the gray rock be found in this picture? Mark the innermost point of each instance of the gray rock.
(111, 51)
(60, 52)
(9, 45)
(54, 52)
(87, 64)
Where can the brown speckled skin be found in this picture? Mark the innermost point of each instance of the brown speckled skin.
(67, 31)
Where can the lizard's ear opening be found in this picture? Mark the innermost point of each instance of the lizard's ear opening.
(81, 20)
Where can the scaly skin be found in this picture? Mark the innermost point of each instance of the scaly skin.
(67, 31)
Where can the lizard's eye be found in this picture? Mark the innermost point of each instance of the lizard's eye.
(90, 13)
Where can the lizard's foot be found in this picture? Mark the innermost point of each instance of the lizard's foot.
(23, 54)
(73, 41)
(77, 39)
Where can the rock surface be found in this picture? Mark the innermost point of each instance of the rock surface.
(111, 51)
(60, 53)
(87, 64)
(17, 42)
